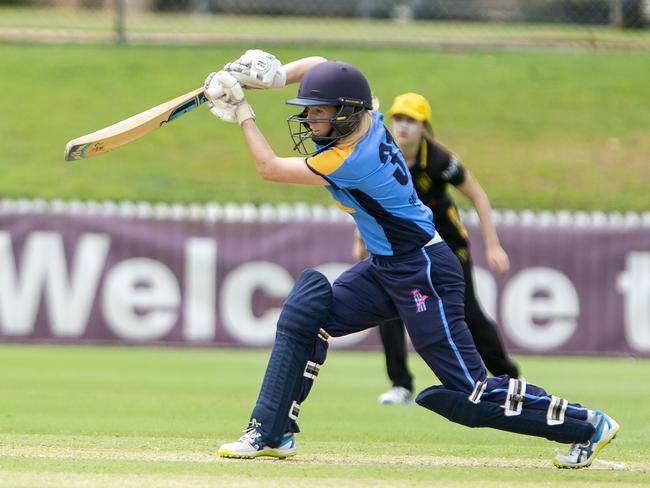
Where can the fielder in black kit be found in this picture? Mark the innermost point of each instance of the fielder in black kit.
(432, 168)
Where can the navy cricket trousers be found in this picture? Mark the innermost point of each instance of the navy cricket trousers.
(426, 290)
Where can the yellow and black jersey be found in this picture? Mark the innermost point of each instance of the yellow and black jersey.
(434, 168)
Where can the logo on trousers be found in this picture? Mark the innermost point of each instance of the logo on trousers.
(419, 300)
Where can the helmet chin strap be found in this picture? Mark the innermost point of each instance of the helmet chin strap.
(329, 138)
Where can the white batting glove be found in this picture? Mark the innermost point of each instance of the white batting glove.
(223, 85)
(213, 90)
(223, 110)
(229, 112)
(226, 98)
(258, 69)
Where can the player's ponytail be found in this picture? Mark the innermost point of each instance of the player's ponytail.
(362, 126)
(428, 132)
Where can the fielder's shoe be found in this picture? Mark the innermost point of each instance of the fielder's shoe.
(250, 446)
(582, 455)
(395, 396)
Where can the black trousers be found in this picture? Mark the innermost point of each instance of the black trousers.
(483, 330)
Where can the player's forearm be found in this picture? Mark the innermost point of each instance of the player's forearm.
(473, 190)
(295, 70)
(259, 149)
(484, 211)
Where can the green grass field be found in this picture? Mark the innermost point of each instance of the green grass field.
(541, 130)
(104, 416)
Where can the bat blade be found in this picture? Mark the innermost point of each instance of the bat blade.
(128, 130)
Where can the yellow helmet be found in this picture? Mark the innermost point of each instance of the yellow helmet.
(412, 105)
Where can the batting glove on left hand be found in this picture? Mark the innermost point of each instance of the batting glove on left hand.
(258, 69)
(226, 98)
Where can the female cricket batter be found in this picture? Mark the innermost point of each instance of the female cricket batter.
(432, 168)
(412, 273)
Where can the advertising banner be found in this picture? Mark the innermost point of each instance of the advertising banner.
(142, 278)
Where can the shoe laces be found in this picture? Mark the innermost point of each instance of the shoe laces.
(577, 448)
(251, 436)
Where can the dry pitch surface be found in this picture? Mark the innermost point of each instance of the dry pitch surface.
(377, 463)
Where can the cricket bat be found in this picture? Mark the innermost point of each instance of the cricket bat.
(128, 130)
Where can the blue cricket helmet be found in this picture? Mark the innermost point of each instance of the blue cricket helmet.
(330, 83)
(333, 83)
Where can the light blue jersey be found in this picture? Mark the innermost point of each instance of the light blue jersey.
(370, 181)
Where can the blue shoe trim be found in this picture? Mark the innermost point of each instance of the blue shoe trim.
(599, 426)
(290, 439)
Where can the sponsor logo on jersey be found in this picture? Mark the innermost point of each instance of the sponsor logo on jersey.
(452, 170)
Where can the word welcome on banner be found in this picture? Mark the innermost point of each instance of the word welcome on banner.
(217, 275)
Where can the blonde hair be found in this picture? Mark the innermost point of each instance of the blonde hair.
(363, 126)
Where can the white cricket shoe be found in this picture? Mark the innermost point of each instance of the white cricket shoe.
(397, 395)
(250, 446)
(581, 455)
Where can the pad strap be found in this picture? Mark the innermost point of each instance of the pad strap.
(515, 397)
(294, 411)
(475, 396)
(556, 409)
(311, 370)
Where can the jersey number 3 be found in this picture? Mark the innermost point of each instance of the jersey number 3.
(390, 153)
